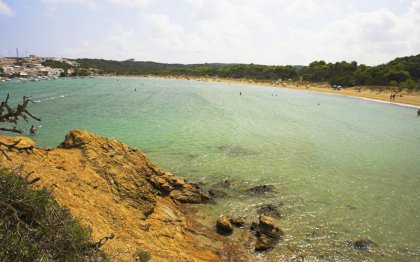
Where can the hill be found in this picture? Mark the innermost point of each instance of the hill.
(403, 73)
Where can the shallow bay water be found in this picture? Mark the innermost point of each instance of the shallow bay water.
(344, 168)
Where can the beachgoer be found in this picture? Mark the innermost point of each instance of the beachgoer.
(240, 93)
(32, 130)
(418, 112)
(135, 89)
(392, 97)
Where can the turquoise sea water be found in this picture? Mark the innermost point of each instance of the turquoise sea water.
(344, 169)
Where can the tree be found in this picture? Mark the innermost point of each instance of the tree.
(409, 84)
(9, 115)
(63, 74)
(83, 72)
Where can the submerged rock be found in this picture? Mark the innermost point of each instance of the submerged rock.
(271, 210)
(261, 189)
(362, 244)
(223, 225)
(267, 233)
(225, 183)
(237, 221)
(215, 193)
(235, 150)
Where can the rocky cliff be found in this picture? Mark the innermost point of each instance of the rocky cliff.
(116, 189)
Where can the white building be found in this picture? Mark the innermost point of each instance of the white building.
(8, 70)
(55, 72)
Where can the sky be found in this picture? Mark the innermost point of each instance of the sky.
(271, 32)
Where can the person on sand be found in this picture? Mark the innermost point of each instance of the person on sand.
(32, 130)
(392, 96)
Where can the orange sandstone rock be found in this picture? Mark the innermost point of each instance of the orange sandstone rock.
(114, 188)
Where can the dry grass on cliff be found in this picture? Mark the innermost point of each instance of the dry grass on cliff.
(33, 227)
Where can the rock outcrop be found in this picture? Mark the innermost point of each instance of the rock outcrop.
(267, 233)
(261, 189)
(223, 225)
(114, 188)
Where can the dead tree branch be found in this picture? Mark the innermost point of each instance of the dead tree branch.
(12, 116)
(103, 240)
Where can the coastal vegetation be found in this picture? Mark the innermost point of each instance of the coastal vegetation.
(403, 73)
(57, 64)
(34, 227)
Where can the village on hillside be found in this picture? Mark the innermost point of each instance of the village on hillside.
(37, 68)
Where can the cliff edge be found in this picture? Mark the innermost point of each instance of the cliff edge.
(116, 189)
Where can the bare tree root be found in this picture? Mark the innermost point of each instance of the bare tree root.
(13, 146)
(102, 241)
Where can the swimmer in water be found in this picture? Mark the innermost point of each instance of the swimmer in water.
(32, 130)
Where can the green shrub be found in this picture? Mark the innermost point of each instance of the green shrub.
(142, 256)
(33, 227)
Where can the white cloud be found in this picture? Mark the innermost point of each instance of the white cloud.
(264, 31)
(5, 10)
(371, 37)
(89, 3)
(121, 44)
(131, 2)
(302, 8)
(161, 23)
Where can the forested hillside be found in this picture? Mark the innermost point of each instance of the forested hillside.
(401, 72)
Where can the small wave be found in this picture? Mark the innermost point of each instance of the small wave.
(50, 98)
(386, 102)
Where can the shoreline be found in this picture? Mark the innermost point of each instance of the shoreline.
(404, 98)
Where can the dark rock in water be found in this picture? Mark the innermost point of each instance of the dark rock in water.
(266, 223)
(224, 226)
(271, 210)
(253, 226)
(225, 183)
(265, 242)
(267, 233)
(235, 150)
(238, 222)
(362, 244)
(197, 185)
(261, 189)
(215, 193)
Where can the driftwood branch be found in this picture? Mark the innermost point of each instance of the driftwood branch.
(7, 210)
(12, 115)
(102, 241)
(13, 146)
